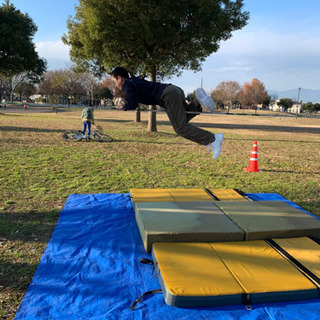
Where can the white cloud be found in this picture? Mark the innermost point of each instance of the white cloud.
(281, 61)
(234, 68)
(264, 42)
(271, 51)
(55, 52)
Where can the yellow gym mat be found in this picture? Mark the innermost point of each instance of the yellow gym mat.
(192, 274)
(304, 250)
(208, 274)
(263, 273)
(169, 195)
(227, 195)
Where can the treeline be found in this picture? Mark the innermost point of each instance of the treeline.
(311, 107)
(69, 87)
(59, 87)
(231, 93)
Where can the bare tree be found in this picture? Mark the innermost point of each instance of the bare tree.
(90, 83)
(62, 85)
(25, 89)
(13, 82)
(227, 92)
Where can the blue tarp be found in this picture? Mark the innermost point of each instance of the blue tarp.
(91, 270)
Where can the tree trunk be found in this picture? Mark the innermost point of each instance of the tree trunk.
(138, 116)
(152, 118)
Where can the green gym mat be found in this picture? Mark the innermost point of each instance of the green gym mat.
(199, 221)
(270, 219)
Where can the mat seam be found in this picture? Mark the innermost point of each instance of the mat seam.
(288, 257)
(234, 276)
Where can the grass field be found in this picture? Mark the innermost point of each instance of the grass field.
(39, 170)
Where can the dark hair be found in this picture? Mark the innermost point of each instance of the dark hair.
(119, 71)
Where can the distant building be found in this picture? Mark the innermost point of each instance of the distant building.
(273, 106)
(35, 97)
(106, 102)
(296, 108)
(118, 100)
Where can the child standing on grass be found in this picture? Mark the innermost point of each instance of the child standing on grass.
(87, 119)
(172, 99)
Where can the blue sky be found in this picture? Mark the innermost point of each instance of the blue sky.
(280, 46)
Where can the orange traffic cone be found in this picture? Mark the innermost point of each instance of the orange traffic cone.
(253, 164)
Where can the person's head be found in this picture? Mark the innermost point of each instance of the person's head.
(119, 76)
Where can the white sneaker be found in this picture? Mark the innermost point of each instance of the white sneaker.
(204, 99)
(215, 146)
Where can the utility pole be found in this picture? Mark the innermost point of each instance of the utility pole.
(299, 89)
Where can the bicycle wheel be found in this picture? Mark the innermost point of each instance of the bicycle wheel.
(102, 137)
(77, 136)
(72, 135)
(66, 136)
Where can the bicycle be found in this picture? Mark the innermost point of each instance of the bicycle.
(76, 135)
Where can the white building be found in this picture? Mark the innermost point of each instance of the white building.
(273, 106)
(296, 108)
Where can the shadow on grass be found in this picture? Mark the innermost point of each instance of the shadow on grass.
(16, 276)
(25, 129)
(32, 109)
(236, 126)
(187, 142)
(270, 140)
(313, 130)
(291, 171)
(30, 231)
(117, 120)
(31, 226)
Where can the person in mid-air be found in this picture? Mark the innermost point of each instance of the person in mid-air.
(172, 99)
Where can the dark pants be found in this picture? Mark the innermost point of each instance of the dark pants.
(86, 124)
(174, 102)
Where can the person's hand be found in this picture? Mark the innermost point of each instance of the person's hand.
(119, 106)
